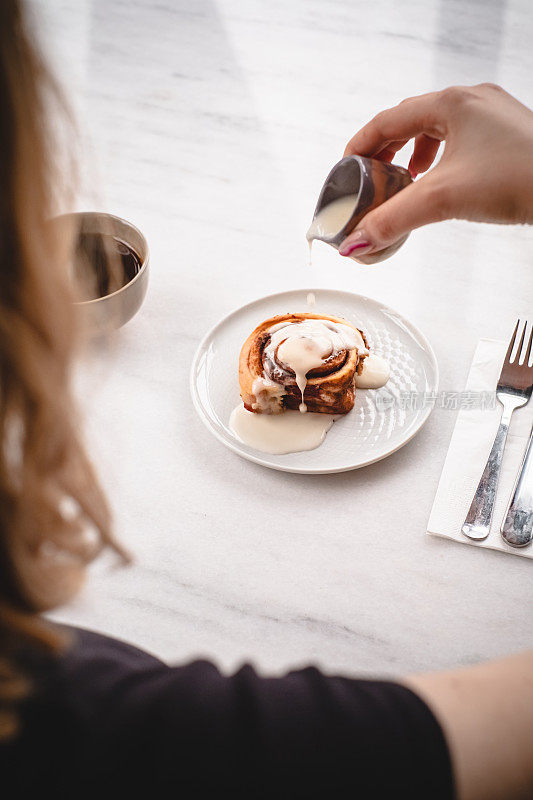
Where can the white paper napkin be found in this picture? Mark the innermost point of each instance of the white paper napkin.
(470, 446)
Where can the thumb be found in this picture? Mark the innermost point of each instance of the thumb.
(418, 204)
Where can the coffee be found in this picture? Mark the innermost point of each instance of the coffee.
(102, 264)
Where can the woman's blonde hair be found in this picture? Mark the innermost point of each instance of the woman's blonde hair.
(53, 515)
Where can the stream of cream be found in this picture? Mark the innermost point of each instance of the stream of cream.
(330, 220)
(303, 346)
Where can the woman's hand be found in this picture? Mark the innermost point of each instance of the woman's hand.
(485, 173)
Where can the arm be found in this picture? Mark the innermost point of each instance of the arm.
(486, 712)
(485, 173)
(137, 725)
(143, 725)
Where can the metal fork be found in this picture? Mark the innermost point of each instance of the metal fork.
(513, 391)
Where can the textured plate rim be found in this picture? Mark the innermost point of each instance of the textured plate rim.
(235, 446)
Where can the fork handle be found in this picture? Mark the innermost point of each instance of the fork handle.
(517, 527)
(479, 517)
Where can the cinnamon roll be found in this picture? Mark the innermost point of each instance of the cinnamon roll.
(301, 361)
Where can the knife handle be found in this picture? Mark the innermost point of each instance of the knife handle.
(478, 520)
(517, 527)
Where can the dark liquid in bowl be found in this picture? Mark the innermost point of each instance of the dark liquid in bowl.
(103, 264)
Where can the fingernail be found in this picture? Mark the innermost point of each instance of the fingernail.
(357, 241)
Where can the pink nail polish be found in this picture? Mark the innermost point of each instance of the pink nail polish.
(349, 248)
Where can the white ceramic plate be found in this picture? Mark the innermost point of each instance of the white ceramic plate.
(381, 422)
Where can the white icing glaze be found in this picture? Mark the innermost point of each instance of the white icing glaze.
(375, 374)
(331, 218)
(268, 395)
(339, 335)
(303, 346)
(303, 354)
(290, 432)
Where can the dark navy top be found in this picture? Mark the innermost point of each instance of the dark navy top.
(107, 719)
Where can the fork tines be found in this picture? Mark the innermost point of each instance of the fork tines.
(517, 368)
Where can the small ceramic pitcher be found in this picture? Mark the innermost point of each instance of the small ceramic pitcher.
(372, 182)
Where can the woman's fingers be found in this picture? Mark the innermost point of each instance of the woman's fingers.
(418, 204)
(426, 149)
(424, 153)
(472, 181)
(388, 153)
(406, 120)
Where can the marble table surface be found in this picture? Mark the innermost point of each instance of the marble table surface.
(211, 125)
